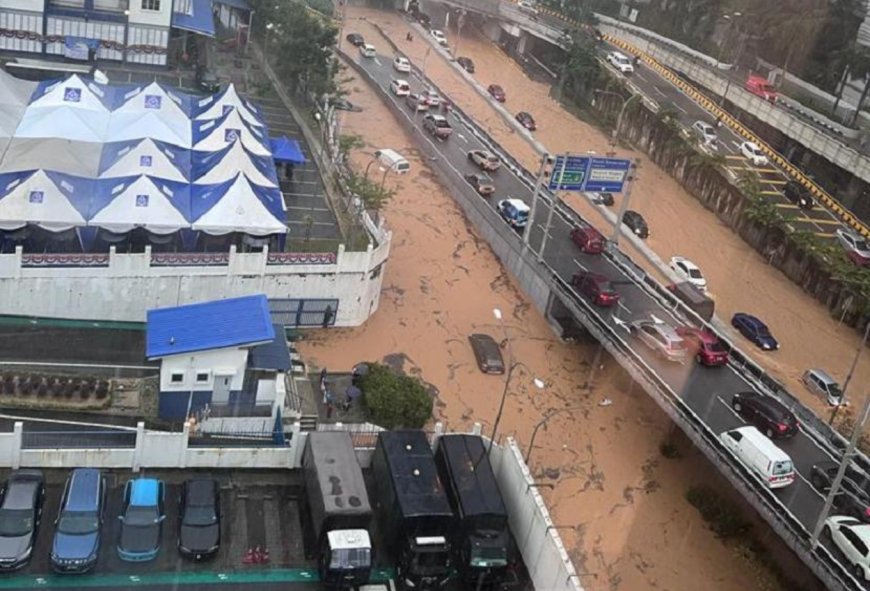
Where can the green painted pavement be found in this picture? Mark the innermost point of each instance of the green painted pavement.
(276, 575)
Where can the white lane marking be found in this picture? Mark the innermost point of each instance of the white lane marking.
(462, 137)
(808, 483)
(656, 88)
(378, 62)
(623, 306)
(679, 108)
(579, 264)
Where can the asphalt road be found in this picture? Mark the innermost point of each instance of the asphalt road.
(707, 391)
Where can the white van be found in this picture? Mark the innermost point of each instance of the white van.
(760, 455)
(392, 160)
(367, 50)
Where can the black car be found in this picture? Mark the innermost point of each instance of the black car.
(603, 199)
(636, 223)
(853, 498)
(207, 81)
(768, 415)
(342, 104)
(356, 39)
(20, 512)
(466, 64)
(199, 523)
(487, 353)
(799, 195)
(526, 120)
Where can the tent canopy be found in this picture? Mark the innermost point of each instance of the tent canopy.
(210, 168)
(148, 157)
(285, 149)
(215, 134)
(158, 205)
(238, 206)
(217, 105)
(51, 201)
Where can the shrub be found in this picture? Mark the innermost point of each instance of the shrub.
(395, 400)
(721, 515)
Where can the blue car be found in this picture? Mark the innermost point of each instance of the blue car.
(76, 544)
(755, 330)
(141, 520)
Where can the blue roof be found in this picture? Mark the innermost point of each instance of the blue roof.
(145, 491)
(286, 150)
(208, 325)
(274, 355)
(84, 492)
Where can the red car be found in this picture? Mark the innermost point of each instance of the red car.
(526, 120)
(588, 239)
(597, 288)
(705, 345)
(496, 92)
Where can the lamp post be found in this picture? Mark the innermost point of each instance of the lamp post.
(614, 135)
(384, 178)
(269, 27)
(850, 374)
(507, 380)
(368, 166)
(732, 19)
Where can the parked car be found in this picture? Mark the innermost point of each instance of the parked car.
(588, 239)
(484, 160)
(439, 36)
(207, 81)
(199, 522)
(755, 330)
(437, 125)
(528, 8)
(466, 63)
(142, 516)
(661, 338)
(514, 211)
(857, 248)
(819, 382)
(704, 345)
(526, 120)
(753, 153)
(767, 414)
(620, 62)
(368, 50)
(603, 199)
(76, 544)
(595, 287)
(20, 514)
(481, 183)
(853, 498)
(852, 537)
(496, 92)
(487, 353)
(636, 223)
(400, 87)
(706, 133)
(401, 64)
(431, 97)
(417, 102)
(694, 299)
(760, 86)
(688, 271)
(799, 195)
(356, 39)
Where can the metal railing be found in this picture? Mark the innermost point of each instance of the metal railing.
(85, 439)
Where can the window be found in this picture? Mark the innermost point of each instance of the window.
(176, 378)
(150, 4)
(202, 377)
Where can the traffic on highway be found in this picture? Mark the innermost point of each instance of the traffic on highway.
(662, 336)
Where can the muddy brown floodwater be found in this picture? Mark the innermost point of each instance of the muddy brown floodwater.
(619, 504)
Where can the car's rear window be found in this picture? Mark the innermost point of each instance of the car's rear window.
(782, 468)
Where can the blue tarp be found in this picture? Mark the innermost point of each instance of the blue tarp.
(286, 150)
(199, 20)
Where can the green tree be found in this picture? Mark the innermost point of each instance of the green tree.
(348, 142)
(582, 72)
(373, 195)
(395, 400)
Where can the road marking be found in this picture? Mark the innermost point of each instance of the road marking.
(679, 108)
(656, 88)
(734, 157)
(623, 306)
(786, 205)
(462, 137)
(579, 264)
(774, 182)
(378, 62)
(769, 193)
(811, 487)
(834, 222)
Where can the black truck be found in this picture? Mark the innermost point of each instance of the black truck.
(339, 509)
(412, 509)
(480, 536)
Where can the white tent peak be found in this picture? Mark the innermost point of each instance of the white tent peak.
(215, 106)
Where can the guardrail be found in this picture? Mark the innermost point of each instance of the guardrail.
(776, 514)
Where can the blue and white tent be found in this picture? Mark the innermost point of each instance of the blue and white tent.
(152, 112)
(238, 206)
(216, 134)
(209, 168)
(217, 105)
(158, 205)
(148, 157)
(54, 202)
(72, 109)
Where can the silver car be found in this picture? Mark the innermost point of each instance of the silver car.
(661, 338)
(20, 511)
(819, 382)
(706, 133)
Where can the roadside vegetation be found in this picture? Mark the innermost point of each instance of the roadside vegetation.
(395, 400)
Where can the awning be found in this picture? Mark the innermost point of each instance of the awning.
(240, 4)
(200, 19)
(286, 150)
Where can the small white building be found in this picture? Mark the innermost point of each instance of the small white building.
(219, 360)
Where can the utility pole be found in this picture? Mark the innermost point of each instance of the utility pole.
(552, 207)
(841, 472)
(629, 183)
(539, 182)
(849, 375)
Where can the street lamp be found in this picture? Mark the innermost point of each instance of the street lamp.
(732, 19)
(384, 178)
(507, 380)
(850, 373)
(269, 27)
(614, 135)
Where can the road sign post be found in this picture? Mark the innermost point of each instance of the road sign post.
(559, 181)
(539, 183)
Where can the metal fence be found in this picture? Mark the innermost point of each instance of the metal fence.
(91, 439)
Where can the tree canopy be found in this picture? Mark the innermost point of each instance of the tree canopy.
(395, 400)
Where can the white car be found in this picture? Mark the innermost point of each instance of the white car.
(753, 153)
(432, 98)
(688, 271)
(367, 50)
(400, 87)
(857, 247)
(620, 62)
(401, 64)
(439, 36)
(527, 7)
(852, 537)
(706, 133)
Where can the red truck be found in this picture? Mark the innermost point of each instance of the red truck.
(759, 86)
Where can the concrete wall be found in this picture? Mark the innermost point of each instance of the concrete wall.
(124, 286)
(230, 361)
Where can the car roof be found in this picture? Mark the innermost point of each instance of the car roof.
(144, 491)
(436, 117)
(822, 375)
(766, 401)
(200, 491)
(517, 203)
(84, 490)
(400, 81)
(766, 446)
(687, 263)
(20, 491)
